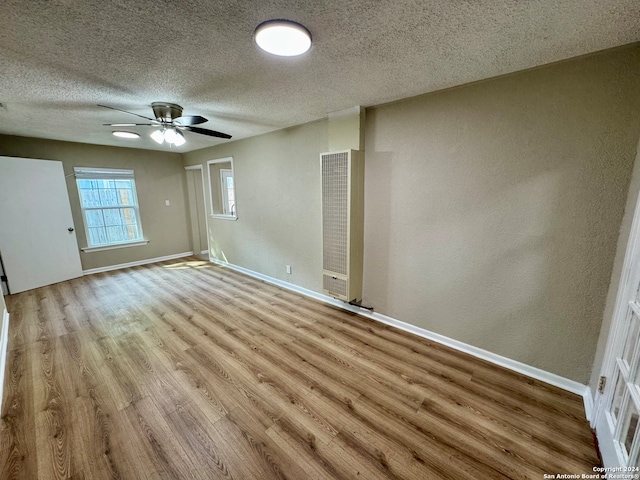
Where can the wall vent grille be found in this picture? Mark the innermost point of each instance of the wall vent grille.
(342, 223)
(335, 208)
(336, 287)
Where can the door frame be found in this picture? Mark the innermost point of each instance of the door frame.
(615, 341)
(204, 205)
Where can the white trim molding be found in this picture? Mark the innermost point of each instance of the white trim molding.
(108, 268)
(4, 342)
(115, 246)
(588, 401)
(212, 214)
(514, 365)
(219, 216)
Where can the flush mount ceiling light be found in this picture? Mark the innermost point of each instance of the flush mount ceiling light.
(170, 135)
(123, 134)
(283, 38)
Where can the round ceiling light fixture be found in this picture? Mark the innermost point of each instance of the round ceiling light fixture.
(283, 38)
(123, 134)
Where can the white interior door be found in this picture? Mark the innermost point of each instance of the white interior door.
(619, 406)
(37, 236)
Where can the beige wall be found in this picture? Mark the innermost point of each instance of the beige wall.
(625, 230)
(159, 176)
(277, 183)
(492, 211)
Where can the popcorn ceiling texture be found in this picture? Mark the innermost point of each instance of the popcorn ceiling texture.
(60, 58)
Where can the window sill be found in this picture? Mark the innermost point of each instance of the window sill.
(225, 217)
(115, 246)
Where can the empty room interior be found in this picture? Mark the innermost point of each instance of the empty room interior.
(324, 240)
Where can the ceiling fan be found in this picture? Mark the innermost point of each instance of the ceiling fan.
(170, 122)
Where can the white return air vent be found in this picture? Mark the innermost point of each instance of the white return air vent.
(342, 224)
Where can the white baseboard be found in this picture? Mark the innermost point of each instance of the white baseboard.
(4, 342)
(587, 398)
(135, 264)
(528, 370)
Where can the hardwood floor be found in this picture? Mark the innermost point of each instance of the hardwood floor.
(184, 370)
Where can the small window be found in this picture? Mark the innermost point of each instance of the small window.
(109, 206)
(222, 188)
(228, 198)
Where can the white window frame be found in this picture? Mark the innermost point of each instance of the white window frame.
(222, 216)
(90, 173)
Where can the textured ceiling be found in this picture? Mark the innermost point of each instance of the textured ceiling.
(60, 58)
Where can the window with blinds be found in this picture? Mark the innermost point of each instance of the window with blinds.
(109, 206)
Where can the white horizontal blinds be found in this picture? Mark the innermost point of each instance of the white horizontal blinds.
(109, 205)
(335, 210)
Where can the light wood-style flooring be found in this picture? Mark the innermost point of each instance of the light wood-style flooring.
(184, 369)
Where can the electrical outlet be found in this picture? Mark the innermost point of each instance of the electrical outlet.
(167, 203)
(289, 269)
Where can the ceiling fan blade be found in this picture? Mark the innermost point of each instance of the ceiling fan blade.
(190, 120)
(204, 131)
(130, 113)
(131, 124)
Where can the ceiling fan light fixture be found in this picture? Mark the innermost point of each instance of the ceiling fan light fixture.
(283, 38)
(180, 140)
(158, 137)
(170, 135)
(168, 124)
(123, 134)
